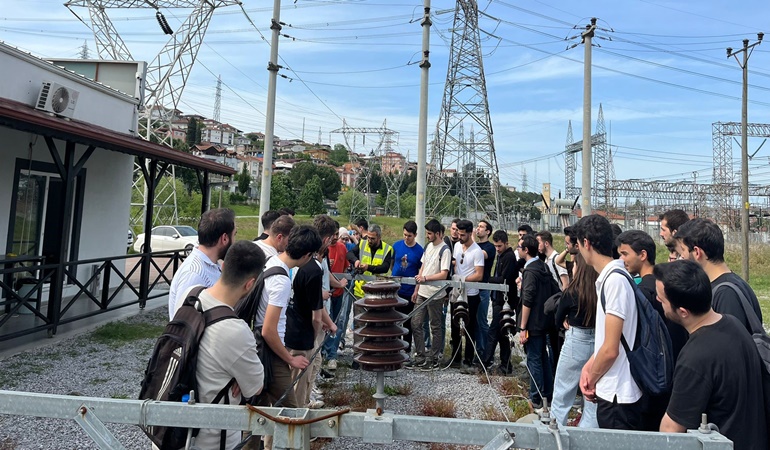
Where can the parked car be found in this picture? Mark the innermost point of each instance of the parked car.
(170, 237)
(130, 238)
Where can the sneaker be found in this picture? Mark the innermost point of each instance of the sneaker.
(426, 365)
(316, 404)
(456, 364)
(332, 365)
(469, 370)
(326, 374)
(414, 362)
(317, 391)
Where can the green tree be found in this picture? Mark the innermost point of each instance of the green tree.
(304, 171)
(347, 204)
(282, 193)
(339, 155)
(244, 180)
(408, 205)
(311, 199)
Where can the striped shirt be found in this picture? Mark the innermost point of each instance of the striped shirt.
(196, 270)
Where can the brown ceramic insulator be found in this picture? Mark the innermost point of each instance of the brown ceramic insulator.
(381, 362)
(381, 316)
(377, 343)
(385, 346)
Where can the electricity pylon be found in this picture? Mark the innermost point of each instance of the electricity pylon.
(466, 168)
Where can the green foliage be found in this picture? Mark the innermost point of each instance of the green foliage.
(194, 132)
(352, 204)
(244, 180)
(408, 206)
(330, 182)
(237, 198)
(311, 198)
(339, 155)
(119, 333)
(521, 203)
(282, 193)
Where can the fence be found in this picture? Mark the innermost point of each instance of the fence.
(293, 428)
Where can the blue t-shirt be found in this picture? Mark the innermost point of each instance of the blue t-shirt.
(406, 263)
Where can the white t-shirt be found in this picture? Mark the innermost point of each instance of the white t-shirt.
(268, 249)
(431, 266)
(620, 302)
(196, 270)
(277, 292)
(227, 350)
(467, 261)
(550, 262)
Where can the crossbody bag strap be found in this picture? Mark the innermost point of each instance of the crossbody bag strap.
(604, 308)
(751, 316)
(223, 395)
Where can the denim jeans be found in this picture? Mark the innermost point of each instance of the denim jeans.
(482, 322)
(576, 351)
(340, 318)
(539, 365)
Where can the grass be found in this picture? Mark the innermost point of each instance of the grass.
(398, 390)
(119, 333)
(437, 407)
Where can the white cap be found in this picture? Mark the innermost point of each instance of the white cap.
(343, 231)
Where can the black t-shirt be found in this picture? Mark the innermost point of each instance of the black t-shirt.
(718, 373)
(677, 332)
(491, 252)
(306, 298)
(726, 301)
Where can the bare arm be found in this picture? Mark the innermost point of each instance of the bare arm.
(668, 425)
(609, 350)
(478, 274)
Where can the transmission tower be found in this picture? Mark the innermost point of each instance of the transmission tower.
(473, 163)
(599, 192)
(360, 208)
(84, 52)
(166, 77)
(570, 166)
(524, 185)
(218, 100)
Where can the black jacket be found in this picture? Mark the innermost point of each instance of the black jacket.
(506, 273)
(536, 287)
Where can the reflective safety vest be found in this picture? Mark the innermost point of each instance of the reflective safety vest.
(366, 257)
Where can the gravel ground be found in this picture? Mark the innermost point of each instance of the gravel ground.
(80, 365)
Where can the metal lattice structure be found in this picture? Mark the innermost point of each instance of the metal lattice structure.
(218, 101)
(570, 166)
(369, 164)
(570, 151)
(600, 200)
(167, 75)
(724, 194)
(468, 168)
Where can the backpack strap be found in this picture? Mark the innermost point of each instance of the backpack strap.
(192, 298)
(556, 273)
(604, 306)
(751, 316)
(223, 395)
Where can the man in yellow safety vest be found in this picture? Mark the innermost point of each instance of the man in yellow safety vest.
(371, 257)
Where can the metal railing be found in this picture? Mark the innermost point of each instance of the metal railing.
(292, 428)
(106, 287)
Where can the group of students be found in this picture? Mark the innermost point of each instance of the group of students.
(304, 309)
(717, 366)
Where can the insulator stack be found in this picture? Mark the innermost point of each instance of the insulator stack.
(507, 322)
(378, 340)
(460, 312)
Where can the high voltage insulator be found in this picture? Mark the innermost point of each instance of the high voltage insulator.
(163, 23)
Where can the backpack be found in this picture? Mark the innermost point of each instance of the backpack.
(170, 373)
(247, 309)
(651, 361)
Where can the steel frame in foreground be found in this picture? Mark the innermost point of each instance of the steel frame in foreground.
(293, 428)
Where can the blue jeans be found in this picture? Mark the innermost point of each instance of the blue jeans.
(539, 365)
(482, 322)
(340, 318)
(576, 351)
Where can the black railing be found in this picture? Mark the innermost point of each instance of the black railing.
(106, 288)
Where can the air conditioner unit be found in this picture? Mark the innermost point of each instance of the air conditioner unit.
(57, 99)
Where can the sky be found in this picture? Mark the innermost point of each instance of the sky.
(660, 72)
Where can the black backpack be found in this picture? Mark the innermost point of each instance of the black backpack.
(651, 360)
(758, 334)
(170, 373)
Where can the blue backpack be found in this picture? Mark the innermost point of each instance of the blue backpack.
(651, 360)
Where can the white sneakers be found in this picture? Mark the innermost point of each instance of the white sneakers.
(332, 364)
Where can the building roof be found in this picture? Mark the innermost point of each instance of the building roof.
(20, 116)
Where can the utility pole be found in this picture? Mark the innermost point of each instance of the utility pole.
(746, 50)
(422, 132)
(267, 154)
(587, 35)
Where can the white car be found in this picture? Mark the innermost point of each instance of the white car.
(170, 237)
